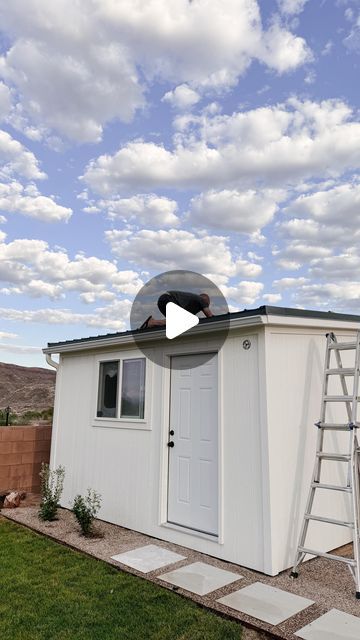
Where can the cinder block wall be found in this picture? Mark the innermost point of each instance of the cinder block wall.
(22, 450)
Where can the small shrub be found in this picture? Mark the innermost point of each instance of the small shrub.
(85, 510)
(52, 483)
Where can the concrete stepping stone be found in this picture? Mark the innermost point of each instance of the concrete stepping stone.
(200, 578)
(148, 558)
(266, 603)
(333, 625)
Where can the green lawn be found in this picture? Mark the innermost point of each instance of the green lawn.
(49, 592)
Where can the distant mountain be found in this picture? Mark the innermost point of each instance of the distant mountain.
(26, 388)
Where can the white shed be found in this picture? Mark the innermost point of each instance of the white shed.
(235, 481)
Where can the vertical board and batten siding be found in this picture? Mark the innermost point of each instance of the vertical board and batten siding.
(128, 466)
(113, 461)
(294, 371)
(245, 528)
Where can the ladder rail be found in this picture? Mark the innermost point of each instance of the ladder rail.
(342, 377)
(355, 468)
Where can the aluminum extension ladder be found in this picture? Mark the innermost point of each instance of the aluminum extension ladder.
(351, 458)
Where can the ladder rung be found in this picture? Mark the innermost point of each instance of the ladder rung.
(340, 398)
(330, 556)
(343, 345)
(342, 523)
(335, 426)
(340, 457)
(331, 487)
(342, 371)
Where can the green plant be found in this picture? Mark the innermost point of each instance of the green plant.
(52, 482)
(85, 510)
(11, 418)
(47, 414)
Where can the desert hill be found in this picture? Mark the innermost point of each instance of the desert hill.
(26, 388)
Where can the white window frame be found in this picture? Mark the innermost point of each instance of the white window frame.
(122, 422)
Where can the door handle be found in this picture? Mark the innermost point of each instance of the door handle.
(172, 432)
(171, 444)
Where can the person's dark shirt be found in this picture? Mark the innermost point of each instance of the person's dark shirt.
(191, 302)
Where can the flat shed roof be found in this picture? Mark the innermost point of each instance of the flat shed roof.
(260, 315)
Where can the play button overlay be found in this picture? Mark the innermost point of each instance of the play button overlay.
(179, 313)
(178, 320)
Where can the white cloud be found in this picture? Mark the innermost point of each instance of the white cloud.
(30, 267)
(328, 217)
(17, 348)
(92, 209)
(272, 298)
(145, 210)
(296, 255)
(281, 51)
(243, 211)
(352, 40)
(243, 293)
(179, 249)
(14, 199)
(345, 267)
(331, 282)
(16, 159)
(89, 70)
(5, 335)
(282, 144)
(310, 77)
(74, 75)
(349, 14)
(330, 296)
(291, 7)
(290, 283)
(5, 100)
(114, 317)
(328, 48)
(339, 205)
(89, 297)
(182, 97)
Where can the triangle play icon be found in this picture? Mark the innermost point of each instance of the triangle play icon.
(178, 320)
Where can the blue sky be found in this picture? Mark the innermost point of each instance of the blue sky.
(138, 137)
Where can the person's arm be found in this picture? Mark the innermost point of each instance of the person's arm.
(207, 312)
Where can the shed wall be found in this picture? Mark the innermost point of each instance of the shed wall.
(294, 371)
(128, 465)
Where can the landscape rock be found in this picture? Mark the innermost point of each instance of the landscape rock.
(13, 499)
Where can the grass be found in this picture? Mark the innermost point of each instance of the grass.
(50, 591)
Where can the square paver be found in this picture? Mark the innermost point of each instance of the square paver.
(266, 603)
(200, 578)
(148, 558)
(334, 625)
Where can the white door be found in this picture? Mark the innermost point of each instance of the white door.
(193, 459)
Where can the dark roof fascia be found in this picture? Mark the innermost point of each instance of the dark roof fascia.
(264, 310)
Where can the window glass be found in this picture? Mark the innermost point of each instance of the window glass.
(108, 389)
(133, 388)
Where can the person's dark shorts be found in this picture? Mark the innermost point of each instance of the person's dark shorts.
(162, 302)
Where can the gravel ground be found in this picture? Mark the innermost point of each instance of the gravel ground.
(326, 582)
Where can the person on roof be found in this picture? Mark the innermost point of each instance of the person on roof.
(191, 302)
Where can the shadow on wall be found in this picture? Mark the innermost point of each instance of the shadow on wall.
(314, 369)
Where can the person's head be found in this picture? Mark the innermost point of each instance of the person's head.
(205, 297)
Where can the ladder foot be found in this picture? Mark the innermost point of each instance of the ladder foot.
(358, 595)
(294, 574)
